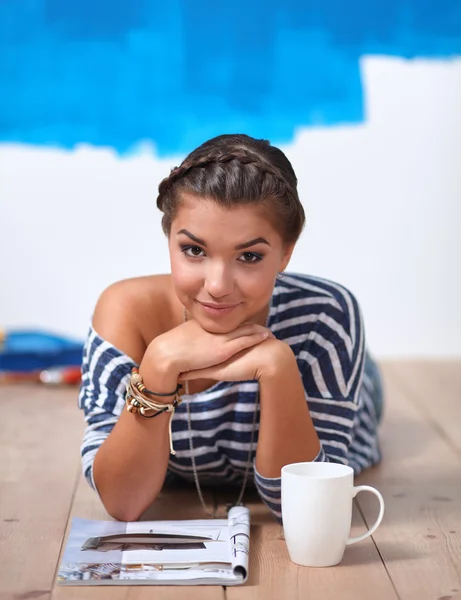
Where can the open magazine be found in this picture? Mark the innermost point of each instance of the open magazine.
(192, 552)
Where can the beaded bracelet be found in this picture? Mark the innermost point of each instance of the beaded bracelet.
(137, 381)
(138, 403)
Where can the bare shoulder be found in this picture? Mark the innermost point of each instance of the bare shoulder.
(130, 313)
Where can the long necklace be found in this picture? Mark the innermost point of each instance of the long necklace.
(208, 510)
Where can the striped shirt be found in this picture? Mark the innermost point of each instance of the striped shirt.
(321, 321)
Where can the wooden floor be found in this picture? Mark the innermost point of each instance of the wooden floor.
(414, 555)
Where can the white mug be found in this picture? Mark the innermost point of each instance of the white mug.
(317, 511)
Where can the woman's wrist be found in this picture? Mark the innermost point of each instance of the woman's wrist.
(278, 361)
(158, 373)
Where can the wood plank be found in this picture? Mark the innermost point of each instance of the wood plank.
(274, 576)
(441, 400)
(177, 502)
(420, 479)
(40, 432)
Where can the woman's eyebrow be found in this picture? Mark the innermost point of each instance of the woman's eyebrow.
(259, 240)
(192, 237)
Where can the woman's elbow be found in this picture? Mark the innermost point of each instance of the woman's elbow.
(123, 502)
(120, 507)
(124, 513)
(126, 510)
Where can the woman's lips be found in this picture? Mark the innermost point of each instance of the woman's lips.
(218, 309)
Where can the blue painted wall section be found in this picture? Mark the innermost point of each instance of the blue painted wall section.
(177, 72)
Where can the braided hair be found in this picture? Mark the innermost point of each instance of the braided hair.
(234, 170)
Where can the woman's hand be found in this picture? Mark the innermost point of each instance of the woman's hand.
(189, 347)
(253, 363)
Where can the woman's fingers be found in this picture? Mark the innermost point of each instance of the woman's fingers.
(242, 343)
(191, 375)
(246, 330)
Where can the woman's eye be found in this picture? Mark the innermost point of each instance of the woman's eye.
(192, 251)
(251, 257)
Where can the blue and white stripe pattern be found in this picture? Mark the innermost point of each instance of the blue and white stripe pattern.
(321, 321)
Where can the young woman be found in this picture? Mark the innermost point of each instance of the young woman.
(271, 368)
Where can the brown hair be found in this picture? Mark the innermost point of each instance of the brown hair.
(234, 170)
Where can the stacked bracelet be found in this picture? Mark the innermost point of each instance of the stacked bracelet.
(137, 401)
(138, 383)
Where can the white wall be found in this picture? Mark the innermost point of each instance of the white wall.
(383, 201)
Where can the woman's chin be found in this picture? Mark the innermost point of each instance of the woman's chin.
(212, 326)
(217, 324)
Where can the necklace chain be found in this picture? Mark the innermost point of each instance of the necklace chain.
(209, 511)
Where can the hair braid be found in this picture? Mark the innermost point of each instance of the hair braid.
(232, 170)
(178, 173)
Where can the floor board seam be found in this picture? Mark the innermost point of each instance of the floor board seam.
(69, 512)
(359, 508)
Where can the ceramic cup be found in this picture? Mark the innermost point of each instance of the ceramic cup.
(317, 512)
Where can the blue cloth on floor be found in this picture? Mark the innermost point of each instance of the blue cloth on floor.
(30, 350)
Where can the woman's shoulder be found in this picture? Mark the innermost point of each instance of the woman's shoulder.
(314, 303)
(130, 313)
(147, 288)
(313, 288)
(321, 321)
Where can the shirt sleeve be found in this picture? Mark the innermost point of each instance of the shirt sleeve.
(105, 374)
(331, 362)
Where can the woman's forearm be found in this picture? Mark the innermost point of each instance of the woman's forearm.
(286, 432)
(130, 466)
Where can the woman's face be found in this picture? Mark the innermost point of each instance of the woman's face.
(224, 262)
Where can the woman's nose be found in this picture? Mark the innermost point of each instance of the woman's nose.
(219, 281)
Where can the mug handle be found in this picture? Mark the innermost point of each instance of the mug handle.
(367, 488)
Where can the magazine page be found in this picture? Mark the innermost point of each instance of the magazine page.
(155, 552)
(83, 566)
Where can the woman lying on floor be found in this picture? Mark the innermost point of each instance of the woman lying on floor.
(229, 367)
